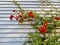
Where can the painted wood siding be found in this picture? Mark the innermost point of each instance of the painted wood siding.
(12, 33)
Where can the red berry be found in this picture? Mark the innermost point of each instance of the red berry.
(30, 14)
(11, 17)
(45, 23)
(14, 11)
(20, 15)
(56, 18)
(16, 18)
(42, 29)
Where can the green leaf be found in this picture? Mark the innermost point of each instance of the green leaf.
(50, 27)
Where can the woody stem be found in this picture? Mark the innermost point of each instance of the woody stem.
(18, 6)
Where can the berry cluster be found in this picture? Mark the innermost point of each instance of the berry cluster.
(57, 18)
(43, 29)
(21, 16)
